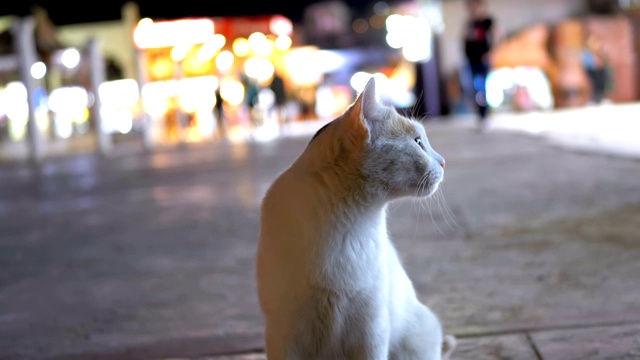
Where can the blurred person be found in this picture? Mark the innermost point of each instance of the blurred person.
(280, 103)
(595, 64)
(221, 119)
(479, 38)
(251, 90)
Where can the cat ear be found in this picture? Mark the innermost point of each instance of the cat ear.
(365, 109)
(367, 102)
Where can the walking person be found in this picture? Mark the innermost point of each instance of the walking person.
(280, 101)
(479, 38)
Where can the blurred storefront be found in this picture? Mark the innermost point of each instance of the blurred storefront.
(545, 63)
(543, 67)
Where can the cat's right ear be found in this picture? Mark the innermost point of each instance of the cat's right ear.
(363, 110)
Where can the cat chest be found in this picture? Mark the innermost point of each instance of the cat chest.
(354, 265)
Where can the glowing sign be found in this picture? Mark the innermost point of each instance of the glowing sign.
(149, 34)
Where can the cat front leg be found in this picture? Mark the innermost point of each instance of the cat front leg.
(376, 349)
(422, 338)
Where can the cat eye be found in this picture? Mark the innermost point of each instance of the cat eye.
(418, 141)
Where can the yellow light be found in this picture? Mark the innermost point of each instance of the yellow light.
(232, 91)
(224, 60)
(241, 47)
(161, 68)
(283, 42)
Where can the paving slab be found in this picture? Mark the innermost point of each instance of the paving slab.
(518, 279)
(514, 346)
(610, 342)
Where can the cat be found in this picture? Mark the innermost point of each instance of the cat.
(330, 283)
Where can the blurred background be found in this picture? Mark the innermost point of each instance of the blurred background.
(137, 140)
(124, 75)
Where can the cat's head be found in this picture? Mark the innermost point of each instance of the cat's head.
(390, 152)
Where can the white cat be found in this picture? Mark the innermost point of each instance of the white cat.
(330, 283)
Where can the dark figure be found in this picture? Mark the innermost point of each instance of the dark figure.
(219, 113)
(478, 42)
(280, 94)
(595, 64)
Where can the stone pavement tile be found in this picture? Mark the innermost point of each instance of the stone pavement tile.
(250, 356)
(512, 346)
(498, 179)
(621, 342)
(569, 272)
(501, 347)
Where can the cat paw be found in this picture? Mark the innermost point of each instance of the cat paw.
(448, 344)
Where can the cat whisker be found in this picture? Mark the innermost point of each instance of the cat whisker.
(447, 210)
(433, 220)
(445, 214)
(421, 185)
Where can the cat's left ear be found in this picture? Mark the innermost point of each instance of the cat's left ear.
(365, 109)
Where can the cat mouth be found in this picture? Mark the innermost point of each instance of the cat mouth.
(434, 183)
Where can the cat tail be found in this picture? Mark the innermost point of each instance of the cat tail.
(448, 344)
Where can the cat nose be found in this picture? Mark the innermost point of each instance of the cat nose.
(442, 163)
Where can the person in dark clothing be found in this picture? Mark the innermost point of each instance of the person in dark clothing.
(479, 38)
(280, 94)
(595, 63)
(219, 114)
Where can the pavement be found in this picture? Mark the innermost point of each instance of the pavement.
(529, 251)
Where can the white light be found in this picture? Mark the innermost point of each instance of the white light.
(283, 42)
(70, 58)
(259, 44)
(38, 70)
(232, 91)
(68, 99)
(120, 120)
(119, 93)
(211, 47)
(155, 96)
(16, 108)
(495, 97)
(418, 44)
(197, 93)
(179, 52)
(307, 65)
(497, 82)
(150, 34)
(325, 102)
(359, 81)
(258, 68)
(280, 25)
(395, 40)
(394, 23)
(224, 60)
(63, 126)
